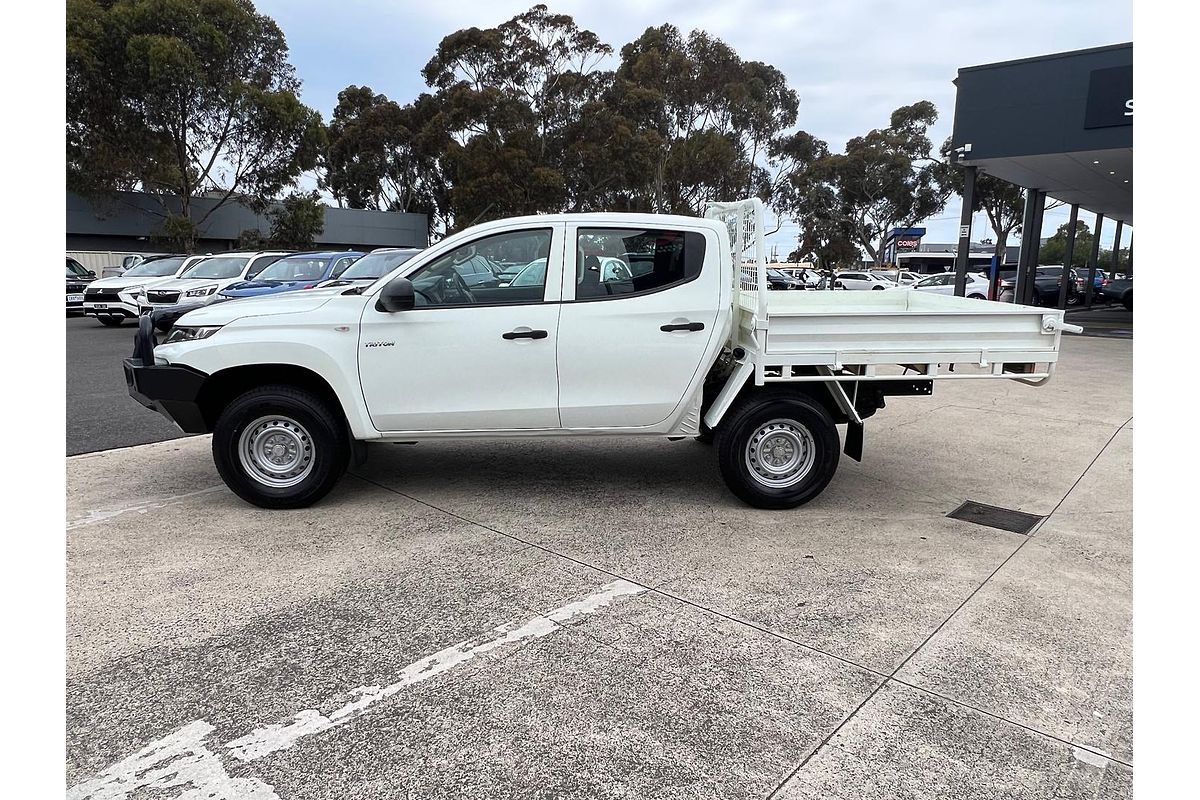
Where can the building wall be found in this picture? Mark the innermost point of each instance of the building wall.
(129, 221)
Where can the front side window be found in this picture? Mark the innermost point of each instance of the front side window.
(468, 275)
(612, 262)
(75, 269)
(217, 268)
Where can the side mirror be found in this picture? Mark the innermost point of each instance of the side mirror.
(398, 295)
(92, 273)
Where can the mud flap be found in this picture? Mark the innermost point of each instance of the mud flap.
(854, 440)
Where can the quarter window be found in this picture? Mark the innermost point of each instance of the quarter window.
(618, 262)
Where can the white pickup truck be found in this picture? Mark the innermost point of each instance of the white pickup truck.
(685, 342)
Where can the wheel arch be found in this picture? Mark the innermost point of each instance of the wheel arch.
(740, 386)
(222, 387)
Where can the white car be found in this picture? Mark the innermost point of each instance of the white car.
(977, 285)
(292, 386)
(371, 267)
(859, 281)
(906, 278)
(201, 282)
(112, 300)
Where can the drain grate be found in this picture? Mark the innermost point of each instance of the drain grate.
(994, 517)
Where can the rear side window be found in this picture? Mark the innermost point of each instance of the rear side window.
(619, 262)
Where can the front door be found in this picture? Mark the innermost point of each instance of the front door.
(638, 313)
(468, 358)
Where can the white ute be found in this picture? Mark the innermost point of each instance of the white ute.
(684, 343)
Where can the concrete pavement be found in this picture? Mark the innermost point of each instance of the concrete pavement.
(601, 618)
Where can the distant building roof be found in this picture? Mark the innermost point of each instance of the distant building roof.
(138, 216)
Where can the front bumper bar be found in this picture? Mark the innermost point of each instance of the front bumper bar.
(171, 390)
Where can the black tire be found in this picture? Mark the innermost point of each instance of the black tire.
(326, 435)
(876, 288)
(976, 297)
(734, 435)
(111, 322)
(1127, 300)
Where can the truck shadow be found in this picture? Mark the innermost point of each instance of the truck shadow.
(615, 470)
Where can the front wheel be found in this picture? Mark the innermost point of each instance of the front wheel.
(778, 449)
(280, 447)
(1127, 301)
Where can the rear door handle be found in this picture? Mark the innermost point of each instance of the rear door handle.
(683, 326)
(525, 334)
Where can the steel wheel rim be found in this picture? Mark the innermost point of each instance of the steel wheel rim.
(780, 453)
(276, 451)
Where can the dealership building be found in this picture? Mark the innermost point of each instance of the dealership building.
(99, 233)
(1061, 127)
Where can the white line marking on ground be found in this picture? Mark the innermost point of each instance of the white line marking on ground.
(178, 761)
(181, 759)
(270, 738)
(1088, 757)
(103, 515)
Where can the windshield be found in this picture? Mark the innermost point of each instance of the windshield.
(376, 265)
(156, 268)
(75, 269)
(304, 268)
(218, 267)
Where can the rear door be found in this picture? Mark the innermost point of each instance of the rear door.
(632, 336)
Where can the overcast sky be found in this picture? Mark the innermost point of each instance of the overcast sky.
(851, 62)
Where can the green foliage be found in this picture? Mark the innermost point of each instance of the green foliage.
(884, 179)
(252, 239)
(1054, 249)
(713, 118)
(522, 121)
(180, 98)
(297, 221)
(385, 156)
(177, 234)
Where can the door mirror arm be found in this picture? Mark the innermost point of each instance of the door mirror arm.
(398, 295)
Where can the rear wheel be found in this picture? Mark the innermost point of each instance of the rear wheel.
(778, 449)
(111, 322)
(1127, 300)
(876, 288)
(280, 447)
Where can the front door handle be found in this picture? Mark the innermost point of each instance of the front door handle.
(683, 326)
(525, 334)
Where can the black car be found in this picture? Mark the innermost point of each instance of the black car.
(1118, 290)
(1046, 284)
(78, 277)
(777, 279)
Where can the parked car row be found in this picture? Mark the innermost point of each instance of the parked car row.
(178, 283)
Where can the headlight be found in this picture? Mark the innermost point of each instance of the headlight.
(134, 291)
(186, 334)
(203, 291)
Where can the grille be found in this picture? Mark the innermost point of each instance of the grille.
(73, 288)
(162, 297)
(1006, 519)
(100, 294)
